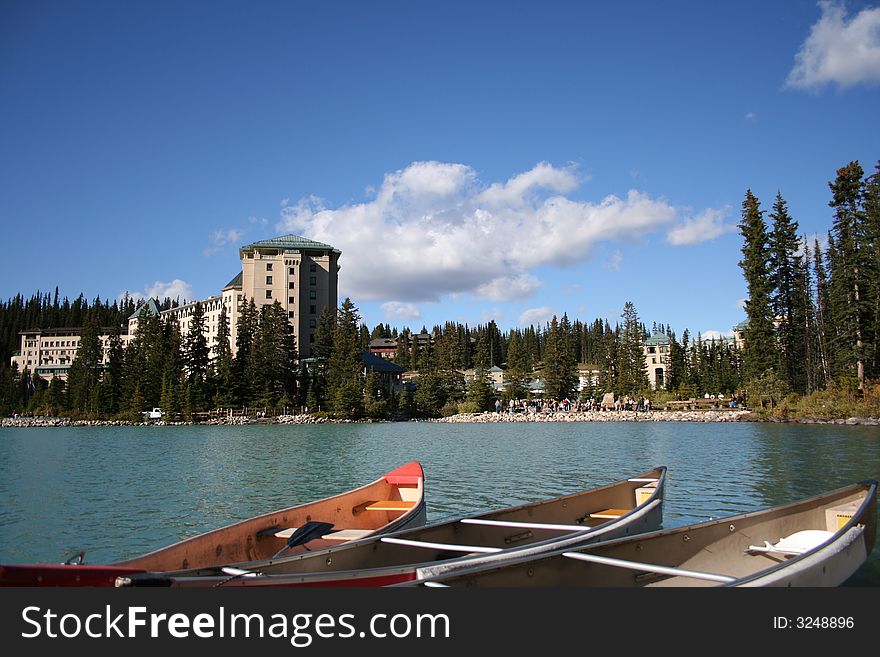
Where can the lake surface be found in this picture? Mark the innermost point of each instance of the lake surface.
(121, 491)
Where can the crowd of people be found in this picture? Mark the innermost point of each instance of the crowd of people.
(607, 403)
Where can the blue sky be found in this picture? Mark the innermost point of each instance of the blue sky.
(473, 161)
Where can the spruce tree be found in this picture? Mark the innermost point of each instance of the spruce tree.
(850, 272)
(222, 364)
(786, 299)
(633, 369)
(85, 371)
(823, 311)
(344, 378)
(759, 336)
(560, 368)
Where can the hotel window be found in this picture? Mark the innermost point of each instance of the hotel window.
(292, 271)
(311, 337)
(291, 300)
(268, 266)
(312, 323)
(313, 294)
(313, 267)
(268, 280)
(290, 286)
(268, 294)
(313, 280)
(312, 310)
(290, 314)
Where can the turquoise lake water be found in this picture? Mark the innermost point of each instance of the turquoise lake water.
(118, 492)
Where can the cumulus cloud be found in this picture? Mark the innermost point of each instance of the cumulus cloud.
(174, 289)
(434, 229)
(402, 311)
(509, 288)
(838, 50)
(614, 262)
(536, 316)
(221, 237)
(159, 290)
(704, 227)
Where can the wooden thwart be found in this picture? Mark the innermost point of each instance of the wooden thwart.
(341, 535)
(390, 505)
(610, 513)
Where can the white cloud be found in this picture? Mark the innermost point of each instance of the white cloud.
(221, 237)
(509, 288)
(433, 229)
(704, 227)
(537, 316)
(175, 289)
(613, 263)
(402, 311)
(159, 290)
(751, 116)
(841, 51)
(741, 304)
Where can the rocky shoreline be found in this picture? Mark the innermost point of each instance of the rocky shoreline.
(487, 417)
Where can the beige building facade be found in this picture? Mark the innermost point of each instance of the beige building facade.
(300, 274)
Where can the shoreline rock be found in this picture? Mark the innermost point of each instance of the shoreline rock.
(462, 418)
(605, 416)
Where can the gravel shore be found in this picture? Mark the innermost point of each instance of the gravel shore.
(583, 416)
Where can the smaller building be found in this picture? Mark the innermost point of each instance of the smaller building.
(49, 353)
(383, 347)
(390, 374)
(656, 351)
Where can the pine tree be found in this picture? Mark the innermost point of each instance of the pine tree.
(246, 331)
(872, 220)
(344, 377)
(85, 371)
(850, 272)
(760, 341)
(560, 368)
(114, 374)
(196, 354)
(786, 299)
(633, 369)
(823, 310)
(222, 364)
(677, 371)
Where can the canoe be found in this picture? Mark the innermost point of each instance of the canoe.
(622, 508)
(820, 541)
(392, 503)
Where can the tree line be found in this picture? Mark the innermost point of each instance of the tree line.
(813, 310)
(163, 368)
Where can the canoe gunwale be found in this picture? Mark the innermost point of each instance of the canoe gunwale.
(649, 510)
(855, 538)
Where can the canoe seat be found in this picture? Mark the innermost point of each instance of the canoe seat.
(341, 535)
(390, 505)
(347, 535)
(609, 513)
(797, 543)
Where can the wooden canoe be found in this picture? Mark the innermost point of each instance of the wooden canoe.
(820, 541)
(392, 503)
(626, 507)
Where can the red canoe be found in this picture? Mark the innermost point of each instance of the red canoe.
(393, 502)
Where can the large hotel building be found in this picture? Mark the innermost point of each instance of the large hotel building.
(298, 273)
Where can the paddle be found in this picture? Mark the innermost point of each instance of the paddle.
(308, 532)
